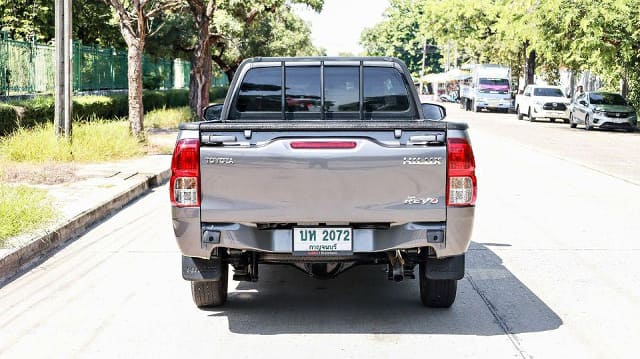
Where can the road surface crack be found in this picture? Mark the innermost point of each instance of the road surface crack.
(494, 312)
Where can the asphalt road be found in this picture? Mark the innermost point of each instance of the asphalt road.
(552, 273)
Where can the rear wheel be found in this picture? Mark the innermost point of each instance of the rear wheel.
(436, 293)
(211, 293)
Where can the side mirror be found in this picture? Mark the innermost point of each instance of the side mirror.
(212, 112)
(582, 102)
(431, 111)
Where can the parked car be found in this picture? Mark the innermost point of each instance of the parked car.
(606, 110)
(542, 102)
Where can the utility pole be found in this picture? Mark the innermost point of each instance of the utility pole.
(63, 78)
(424, 64)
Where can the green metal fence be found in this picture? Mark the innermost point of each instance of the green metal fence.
(29, 68)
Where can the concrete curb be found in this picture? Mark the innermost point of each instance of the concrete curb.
(39, 247)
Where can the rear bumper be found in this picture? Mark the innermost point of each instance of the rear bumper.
(192, 241)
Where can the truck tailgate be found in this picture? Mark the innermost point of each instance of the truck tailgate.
(348, 176)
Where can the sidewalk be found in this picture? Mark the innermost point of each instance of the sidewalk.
(103, 189)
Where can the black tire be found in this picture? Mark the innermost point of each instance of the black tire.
(587, 126)
(520, 115)
(531, 119)
(572, 124)
(436, 293)
(211, 293)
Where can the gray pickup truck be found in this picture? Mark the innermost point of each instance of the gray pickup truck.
(323, 164)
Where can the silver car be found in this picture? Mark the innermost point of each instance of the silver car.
(604, 110)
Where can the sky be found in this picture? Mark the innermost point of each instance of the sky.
(338, 27)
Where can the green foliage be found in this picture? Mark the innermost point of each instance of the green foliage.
(153, 100)
(97, 140)
(176, 98)
(22, 209)
(153, 80)
(399, 36)
(34, 20)
(275, 30)
(8, 119)
(36, 111)
(602, 36)
(167, 118)
(87, 107)
(40, 110)
(218, 94)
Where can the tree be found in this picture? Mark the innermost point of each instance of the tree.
(33, 20)
(399, 35)
(276, 32)
(28, 20)
(222, 26)
(138, 19)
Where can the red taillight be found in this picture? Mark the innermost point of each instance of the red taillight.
(323, 144)
(461, 173)
(185, 174)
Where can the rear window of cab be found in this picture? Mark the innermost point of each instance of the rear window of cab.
(328, 90)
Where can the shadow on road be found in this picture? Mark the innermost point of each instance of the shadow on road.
(362, 300)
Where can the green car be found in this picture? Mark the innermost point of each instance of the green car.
(606, 110)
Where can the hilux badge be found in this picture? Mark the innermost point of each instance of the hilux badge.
(219, 160)
(422, 161)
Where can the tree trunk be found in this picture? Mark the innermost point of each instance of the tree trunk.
(624, 87)
(572, 84)
(136, 108)
(531, 67)
(200, 79)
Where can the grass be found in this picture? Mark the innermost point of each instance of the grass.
(93, 141)
(35, 156)
(167, 118)
(22, 209)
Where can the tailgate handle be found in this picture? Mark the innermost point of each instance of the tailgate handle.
(213, 140)
(426, 140)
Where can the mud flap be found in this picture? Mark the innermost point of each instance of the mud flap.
(198, 269)
(445, 268)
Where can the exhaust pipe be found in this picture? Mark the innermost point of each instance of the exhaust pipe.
(396, 266)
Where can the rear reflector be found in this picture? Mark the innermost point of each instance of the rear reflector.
(185, 174)
(323, 144)
(461, 173)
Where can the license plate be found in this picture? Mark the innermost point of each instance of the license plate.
(322, 241)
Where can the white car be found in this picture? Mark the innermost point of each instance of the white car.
(539, 101)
